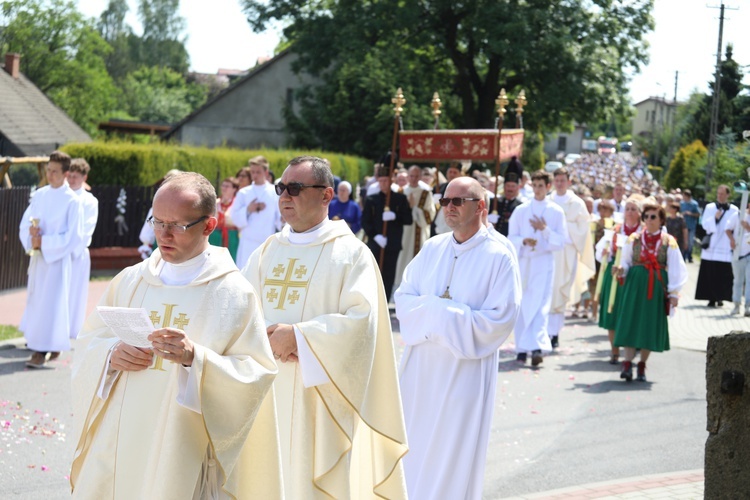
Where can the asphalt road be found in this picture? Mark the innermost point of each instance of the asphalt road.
(572, 421)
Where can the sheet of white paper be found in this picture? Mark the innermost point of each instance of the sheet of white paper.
(131, 325)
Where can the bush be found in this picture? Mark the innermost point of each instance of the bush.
(128, 164)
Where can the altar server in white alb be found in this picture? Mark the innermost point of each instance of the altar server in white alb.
(79, 284)
(537, 229)
(456, 305)
(255, 211)
(340, 421)
(183, 418)
(574, 264)
(52, 226)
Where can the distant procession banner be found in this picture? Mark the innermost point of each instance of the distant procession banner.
(449, 145)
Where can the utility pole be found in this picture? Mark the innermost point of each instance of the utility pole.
(715, 104)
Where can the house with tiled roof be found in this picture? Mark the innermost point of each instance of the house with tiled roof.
(30, 123)
(250, 112)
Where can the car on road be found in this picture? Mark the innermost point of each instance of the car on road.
(551, 166)
(571, 158)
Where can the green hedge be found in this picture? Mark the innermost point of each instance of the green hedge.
(127, 164)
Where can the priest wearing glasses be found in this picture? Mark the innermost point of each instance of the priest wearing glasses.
(456, 305)
(183, 417)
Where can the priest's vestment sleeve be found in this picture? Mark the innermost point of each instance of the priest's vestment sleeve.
(469, 333)
(235, 367)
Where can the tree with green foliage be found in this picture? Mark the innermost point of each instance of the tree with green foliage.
(160, 95)
(686, 167)
(63, 54)
(123, 58)
(163, 39)
(571, 57)
(730, 102)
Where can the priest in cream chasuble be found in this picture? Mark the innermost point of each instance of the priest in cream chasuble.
(178, 426)
(340, 420)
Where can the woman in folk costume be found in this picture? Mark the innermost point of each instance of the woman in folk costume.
(606, 252)
(655, 272)
(226, 234)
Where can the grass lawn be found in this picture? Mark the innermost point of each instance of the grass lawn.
(9, 332)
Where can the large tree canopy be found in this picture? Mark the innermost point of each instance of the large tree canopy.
(570, 56)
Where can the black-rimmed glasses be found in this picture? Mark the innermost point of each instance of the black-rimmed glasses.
(457, 202)
(295, 188)
(173, 228)
(650, 216)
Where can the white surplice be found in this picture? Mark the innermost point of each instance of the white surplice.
(81, 264)
(574, 264)
(449, 367)
(720, 249)
(537, 267)
(254, 227)
(46, 321)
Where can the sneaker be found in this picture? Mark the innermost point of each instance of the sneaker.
(641, 376)
(627, 371)
(37, 360)
(555, 342)
(736, 309)
(536, 358)
(521, 358)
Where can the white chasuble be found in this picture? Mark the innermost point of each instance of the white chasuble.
(456, 305)
(342, 438)
(575, 263)
(140, 441)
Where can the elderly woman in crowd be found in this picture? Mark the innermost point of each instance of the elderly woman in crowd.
(343, 207)
(606, 251)
(654, 273)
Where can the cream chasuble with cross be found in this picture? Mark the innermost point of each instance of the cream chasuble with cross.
(141, 440)
(344, 436)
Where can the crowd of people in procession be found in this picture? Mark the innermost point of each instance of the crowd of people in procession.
(271, 370)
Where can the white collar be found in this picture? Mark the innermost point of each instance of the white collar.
(185, 272)
(308, 236)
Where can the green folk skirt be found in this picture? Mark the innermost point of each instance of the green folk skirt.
(234, 241)
(642, 323)
(607, 319)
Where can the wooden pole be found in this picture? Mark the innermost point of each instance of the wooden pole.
(501, 101)
(398, 102)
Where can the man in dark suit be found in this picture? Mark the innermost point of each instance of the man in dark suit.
(505, 204)
(397, 215)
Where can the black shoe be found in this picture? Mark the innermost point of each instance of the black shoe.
(555, 342)
(711, 303)
(521, 358)
(536, 358)
(720, 304)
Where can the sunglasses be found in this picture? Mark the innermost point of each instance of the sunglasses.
(295, 188)
(650, 216)
(457, 202)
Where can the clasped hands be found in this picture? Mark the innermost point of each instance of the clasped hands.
(256, 206)
(171, 344)
(283, 342)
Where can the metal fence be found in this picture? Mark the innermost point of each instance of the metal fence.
(111, 230)
(14, 262)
